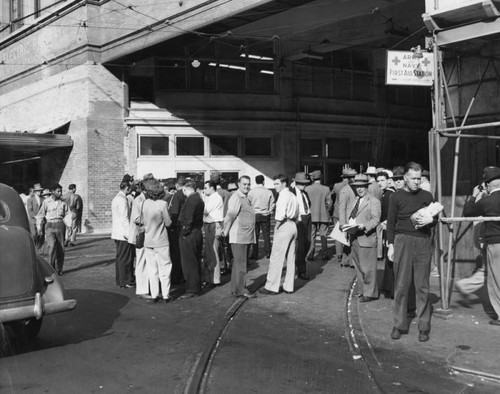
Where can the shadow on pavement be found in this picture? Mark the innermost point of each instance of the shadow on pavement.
(93, 317)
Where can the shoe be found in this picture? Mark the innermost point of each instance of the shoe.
(144, 296)
(248, 295)
(344, 265)
(267, 292)
(288, 292)
(153, 300)
(325, 258)
(208, 285)
(125, 286)
(423, 336)
(495, 322)
(268, 255)
(188, 295)
(303, 276)
(310, 258)
(367, 299)
(396, 334)
(167, 300)
(411, 315)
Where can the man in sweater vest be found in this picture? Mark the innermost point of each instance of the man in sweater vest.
(410, 249)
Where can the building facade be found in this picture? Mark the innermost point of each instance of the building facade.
(187, 88)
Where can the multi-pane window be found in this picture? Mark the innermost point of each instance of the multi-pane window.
(228, 66)
(338, 148)
(311, 147)
(153, 145)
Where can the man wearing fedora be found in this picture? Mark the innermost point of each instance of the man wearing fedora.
(489, 206)
(365, 210)
(346, 198)
(33, 206)
(409, 247)
(373, 187)
(425, 184)
(301, 180)
(321, 202)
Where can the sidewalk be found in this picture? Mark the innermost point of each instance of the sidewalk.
(464, 342)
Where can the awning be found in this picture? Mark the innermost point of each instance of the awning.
(18, 146)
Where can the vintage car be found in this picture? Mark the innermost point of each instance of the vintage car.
(29, 286)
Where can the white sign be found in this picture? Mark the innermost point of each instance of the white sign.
(405, 68)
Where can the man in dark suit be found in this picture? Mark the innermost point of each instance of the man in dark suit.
(174, 203)
(321, 202)
(303, 223)
(365, 210)
(489, 206)
(33, 206)
(191, 238)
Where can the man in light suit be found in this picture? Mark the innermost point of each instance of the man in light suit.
(120, 214)
(33, 206)
(365, 210)
(321, 202)
(346, 198)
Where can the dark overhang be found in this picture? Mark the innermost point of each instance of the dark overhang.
(21, 146)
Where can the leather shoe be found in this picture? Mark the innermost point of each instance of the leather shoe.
(396, 334)
(268, 255)
(267, 292)
(303, 276)
(127, 286)
(188, 295)
(366, 299)
(288, 292)
(167, 300)
(423, 336)
(495, 322)
(248, 295)
(153, 300)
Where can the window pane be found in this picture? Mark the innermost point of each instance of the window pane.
(362, 87)
(198, 177)
(361, 150)
(203, 77)
(338, 148)
(232, 75)
(258, 146)
(153, 146)
(311, 148)
(261, 77)
(190, 146)
(220, 146)
(171, 74)
(342, 84)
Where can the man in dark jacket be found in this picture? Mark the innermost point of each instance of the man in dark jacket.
(191, 238)
(489, 206)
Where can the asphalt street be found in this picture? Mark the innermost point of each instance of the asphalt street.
(115, 342)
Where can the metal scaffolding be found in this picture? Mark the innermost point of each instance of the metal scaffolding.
(450, 37)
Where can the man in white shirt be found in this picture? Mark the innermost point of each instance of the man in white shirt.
(212, 228)
(262, 201)
(285, 238)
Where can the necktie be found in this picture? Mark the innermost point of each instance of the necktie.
(304, 201)
(355, 209)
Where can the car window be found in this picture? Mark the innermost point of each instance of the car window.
(4, 211)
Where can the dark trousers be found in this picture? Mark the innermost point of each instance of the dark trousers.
(212, 255)
(262, 223)
(412, 255)
(239, 270)
(320, 228)
(303, 243)
(175, 255)
(124, 262)
(54, 235)
(191, 247)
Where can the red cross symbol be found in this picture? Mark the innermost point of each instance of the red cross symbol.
(426, 62)
(396, 61)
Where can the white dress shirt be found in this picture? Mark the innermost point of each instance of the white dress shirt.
(214, 208)
(287, 206)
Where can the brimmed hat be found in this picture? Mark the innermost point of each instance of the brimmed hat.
(360, 180)
(426, 173)
(371, 171)
(231, 187)
(491, 173)
(398, 172)
(301, 178)
(349, 173)
(315, 175)
(37, 187)
(46, 192)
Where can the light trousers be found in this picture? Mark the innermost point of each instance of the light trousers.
(365, 262)
(493, 276)
(282, 252)
(141, 272)
(159, 267)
